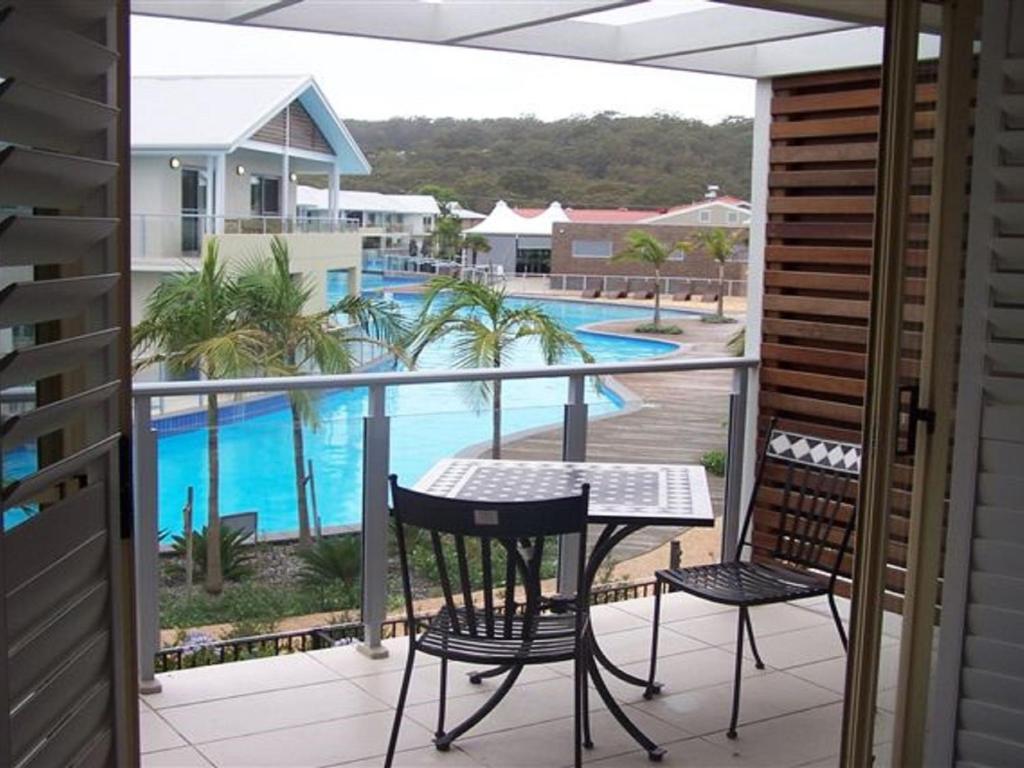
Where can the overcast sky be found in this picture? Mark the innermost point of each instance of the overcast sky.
(374, 79)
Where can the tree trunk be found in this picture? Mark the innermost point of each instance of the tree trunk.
(496, 422)
(657, 298)
(299, 454)
(214, 571)
(721, 289)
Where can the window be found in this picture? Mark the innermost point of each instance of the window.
(733, 217)
(533, 261)
(705, 217)
(265, 196)
(592, 249)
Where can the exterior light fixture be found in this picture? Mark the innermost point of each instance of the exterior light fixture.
(240, 169)
(175, 163)
(293, 177)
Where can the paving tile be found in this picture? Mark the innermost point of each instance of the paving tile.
(674, 607)
(428, 757)
(797, 739)
(634, 645)
(801, 647)
(682, 672)
(183, 757)
(549, 745)
(831, 673)
(155, 734)
(237, 679)
(524, 705)
(707, 710)
(347, 661)
(320, 744)
(258, 712)
(720, 628)
(608, 618)
(691, 753)
(424, 687)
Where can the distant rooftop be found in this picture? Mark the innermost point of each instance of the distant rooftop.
(360, 200)
(598, 215)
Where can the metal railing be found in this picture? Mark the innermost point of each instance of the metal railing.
(163, 236)
(206, 652)
(376, 462)
(568, 282)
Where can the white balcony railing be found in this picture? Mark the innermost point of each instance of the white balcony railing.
(164, 236)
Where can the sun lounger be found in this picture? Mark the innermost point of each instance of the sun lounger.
(682, 296)
(590, 293)
(643, 294)
(709, 298)
(616, 295)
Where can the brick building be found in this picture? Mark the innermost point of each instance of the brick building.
(581, 255)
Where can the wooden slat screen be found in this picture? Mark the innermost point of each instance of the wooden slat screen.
(817, 269)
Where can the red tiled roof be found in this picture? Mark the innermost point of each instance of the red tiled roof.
(597, 215)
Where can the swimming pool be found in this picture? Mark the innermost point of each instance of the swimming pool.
(428, 422)
(371, 281)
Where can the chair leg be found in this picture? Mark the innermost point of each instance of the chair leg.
(443, 698)
(579, 684)
(753, 643)
(731, 733)
(652, 688)
(400, 707)
(588, 742)
(838, 620)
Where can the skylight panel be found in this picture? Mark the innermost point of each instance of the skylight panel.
(652, 9)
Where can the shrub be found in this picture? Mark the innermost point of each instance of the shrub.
(737, 343)
(714, 462)
(235, 554)
(717, 319)
(336, 559)
(668, 330)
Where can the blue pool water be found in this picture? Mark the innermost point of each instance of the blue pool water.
(371, 281)
(428, 422)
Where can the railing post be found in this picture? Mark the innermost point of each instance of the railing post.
(147, 542)
(574, 448)
(734, 462)
(376, 449)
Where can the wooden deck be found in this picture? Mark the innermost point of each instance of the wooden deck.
(682, 415)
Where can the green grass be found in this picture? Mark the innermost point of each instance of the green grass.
(714, 462)
(717, 319)
(667, 330)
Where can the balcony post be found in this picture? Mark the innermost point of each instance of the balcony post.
(147, 542)
(736, 440)
(376, 449)
(574, 448)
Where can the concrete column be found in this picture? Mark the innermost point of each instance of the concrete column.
(220, 192)
(333, 182)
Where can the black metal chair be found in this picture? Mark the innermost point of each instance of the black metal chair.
(488, 559)
(810, 479)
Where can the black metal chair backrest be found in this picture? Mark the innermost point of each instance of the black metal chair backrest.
(811, 483)
(490, 549)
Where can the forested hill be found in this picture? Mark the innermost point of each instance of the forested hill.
(601, 161)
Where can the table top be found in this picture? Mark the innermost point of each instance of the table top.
(627, 494)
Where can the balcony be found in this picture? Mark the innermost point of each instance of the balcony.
(335, 706)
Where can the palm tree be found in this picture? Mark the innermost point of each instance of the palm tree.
(719, 244)
(191, 325)
(475, 243)
(646, 248)
(447, 233)
(273, 300)
(486, 328)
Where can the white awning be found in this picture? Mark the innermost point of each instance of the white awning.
(745, 38)
(502, 220)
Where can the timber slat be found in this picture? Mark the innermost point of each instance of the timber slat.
(839, 204)
(862, 125)
(841, 152)
(864, 98)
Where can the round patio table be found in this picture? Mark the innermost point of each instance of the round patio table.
(624, 498)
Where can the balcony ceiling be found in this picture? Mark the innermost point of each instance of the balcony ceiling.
(743, 38)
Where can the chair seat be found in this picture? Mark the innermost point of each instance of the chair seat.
(744, 583)
(553, 638)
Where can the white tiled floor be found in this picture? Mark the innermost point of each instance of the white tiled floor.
(334, 707)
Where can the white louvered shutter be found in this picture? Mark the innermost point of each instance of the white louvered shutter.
(68, 668)
(980, 686)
